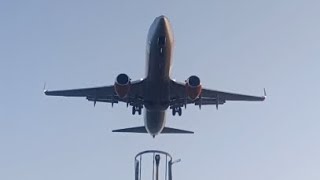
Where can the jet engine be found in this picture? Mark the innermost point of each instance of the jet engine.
(122, 85)
(193, 87)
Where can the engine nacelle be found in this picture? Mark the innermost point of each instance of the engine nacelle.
(122, 85)
(193, 87)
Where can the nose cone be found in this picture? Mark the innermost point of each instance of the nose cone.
(162, 23)
(160, 27)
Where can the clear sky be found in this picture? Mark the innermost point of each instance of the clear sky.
(238, 46)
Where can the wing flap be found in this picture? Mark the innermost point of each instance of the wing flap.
(209, 101)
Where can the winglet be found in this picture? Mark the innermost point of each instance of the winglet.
(264, 91)
(44, 88)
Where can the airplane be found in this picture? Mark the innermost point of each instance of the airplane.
(157, 92)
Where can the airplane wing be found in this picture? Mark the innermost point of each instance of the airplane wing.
(227, 96)
(208, 96)
(84, 92)
(102, 94)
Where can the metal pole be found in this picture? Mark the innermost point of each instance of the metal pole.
(136, 172)
(166, 167)
(170, 170)
(153, 167)
(140, 167)
(157, 158)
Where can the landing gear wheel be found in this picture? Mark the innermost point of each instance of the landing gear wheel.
(133, 110)
(173, 111)
(179, 111)
(136, 109)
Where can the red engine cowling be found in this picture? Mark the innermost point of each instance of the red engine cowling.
(122, 85)
(193, 87)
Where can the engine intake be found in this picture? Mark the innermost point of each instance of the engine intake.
(193, 87)
(122, 85)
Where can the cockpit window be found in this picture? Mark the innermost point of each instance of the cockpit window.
(162, 40)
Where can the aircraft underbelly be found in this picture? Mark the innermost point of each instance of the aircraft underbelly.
(157, 89)
(154, 121)
(157, 96)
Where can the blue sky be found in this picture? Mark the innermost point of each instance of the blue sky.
(238, 46)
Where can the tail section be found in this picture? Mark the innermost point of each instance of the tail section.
(142, 129)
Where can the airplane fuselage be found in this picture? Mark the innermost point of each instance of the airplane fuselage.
(157, 90)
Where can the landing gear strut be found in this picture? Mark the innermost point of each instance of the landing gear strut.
(136, 109)
(176, 110)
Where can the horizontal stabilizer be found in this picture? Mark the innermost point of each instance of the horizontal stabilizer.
(140, 129)
(167, 130)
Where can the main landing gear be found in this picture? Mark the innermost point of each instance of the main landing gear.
(136, 109)
(176, 110)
